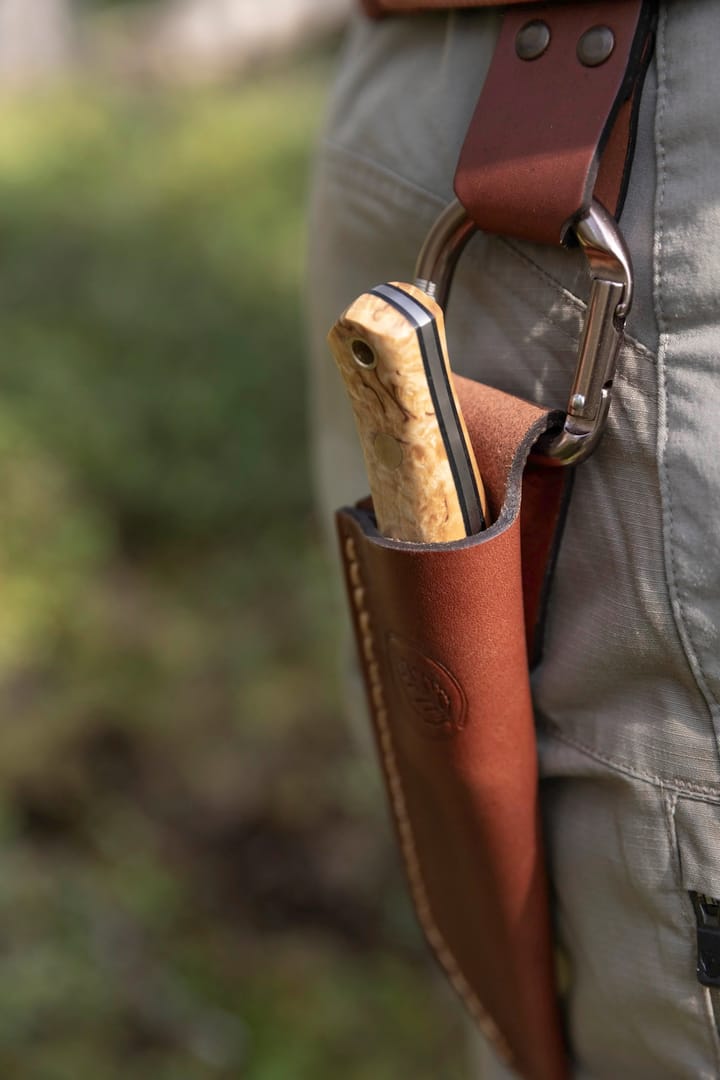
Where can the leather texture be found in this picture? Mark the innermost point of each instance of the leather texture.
(530, 163)
(442, 642)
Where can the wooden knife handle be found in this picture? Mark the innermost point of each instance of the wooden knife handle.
(391, 350)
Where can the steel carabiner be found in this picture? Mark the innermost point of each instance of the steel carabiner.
(609, 303)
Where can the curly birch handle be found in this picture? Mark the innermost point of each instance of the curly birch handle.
(390, 348)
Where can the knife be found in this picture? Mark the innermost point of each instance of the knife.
(391, 350)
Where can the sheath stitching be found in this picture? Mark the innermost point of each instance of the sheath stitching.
(404, 826)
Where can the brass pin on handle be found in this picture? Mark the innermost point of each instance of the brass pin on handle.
(391, 351)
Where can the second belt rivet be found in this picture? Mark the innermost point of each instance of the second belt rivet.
(595, 46)
(532, 40)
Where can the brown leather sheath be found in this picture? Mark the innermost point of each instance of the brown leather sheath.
(441, 633)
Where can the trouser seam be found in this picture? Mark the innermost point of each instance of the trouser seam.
(677, 784)
(676, 602)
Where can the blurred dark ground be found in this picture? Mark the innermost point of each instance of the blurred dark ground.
(196, 879)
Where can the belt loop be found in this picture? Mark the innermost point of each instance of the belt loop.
(560, 95)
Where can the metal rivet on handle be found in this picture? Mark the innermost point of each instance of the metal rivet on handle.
(363, 354)
(388, 450)
(532, 40)
(595, 46)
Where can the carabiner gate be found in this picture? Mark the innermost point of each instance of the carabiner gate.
(608, 306)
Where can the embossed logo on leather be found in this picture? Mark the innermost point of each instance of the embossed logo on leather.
(432, 692)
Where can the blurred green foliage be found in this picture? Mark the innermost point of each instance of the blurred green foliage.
(196, 880)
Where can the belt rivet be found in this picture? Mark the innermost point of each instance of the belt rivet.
(532, 40)
(595, 46)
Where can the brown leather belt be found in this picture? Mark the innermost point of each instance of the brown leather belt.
(441, 636)
(554, 126)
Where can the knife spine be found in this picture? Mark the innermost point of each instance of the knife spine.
(446, 408)
(389, 347)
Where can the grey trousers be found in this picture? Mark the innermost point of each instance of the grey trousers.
(628, 694)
